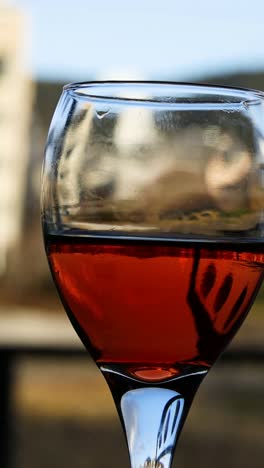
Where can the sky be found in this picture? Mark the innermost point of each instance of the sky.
(148, 39)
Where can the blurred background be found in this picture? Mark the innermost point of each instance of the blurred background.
(63, 414)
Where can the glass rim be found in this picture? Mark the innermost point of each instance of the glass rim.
(110, 90)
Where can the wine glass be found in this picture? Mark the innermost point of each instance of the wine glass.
(152, 197)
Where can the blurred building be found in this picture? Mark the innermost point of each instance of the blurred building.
(16, 97)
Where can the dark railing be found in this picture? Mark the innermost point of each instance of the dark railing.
(8, 358)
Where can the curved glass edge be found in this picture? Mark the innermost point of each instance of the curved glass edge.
(93, 89)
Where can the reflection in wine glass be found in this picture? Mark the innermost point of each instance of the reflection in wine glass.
(218, 308)
(164, 423)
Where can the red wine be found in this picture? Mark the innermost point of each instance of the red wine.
(155, 308)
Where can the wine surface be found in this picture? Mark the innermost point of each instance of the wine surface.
(154, 308)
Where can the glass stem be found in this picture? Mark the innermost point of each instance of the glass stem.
(153, 418)
(152, 414)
